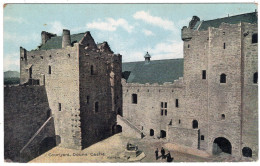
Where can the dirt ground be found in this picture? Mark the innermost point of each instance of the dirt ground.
(112, 150)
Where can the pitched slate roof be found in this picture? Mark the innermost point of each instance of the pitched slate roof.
(56, 42)
(247, 17)
(157, 71)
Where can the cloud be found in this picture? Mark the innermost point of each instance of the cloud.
(148, 33)
(56, 27)
(16, 20)
(110, 24)
(11, 61)
(21, 39)
(167, 50)
(154, 20)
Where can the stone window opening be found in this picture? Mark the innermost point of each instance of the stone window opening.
(188, 46)
(202, 137)
(195, 124)
(134, 98)
(41, 57)
(92, 70)
(164, 108)
(177, 103)
(224, 45)
(255, 80)
(203, 74)
(254, 38)
(69, 55)
(224, 33)
(247, 152)
(223, 78)
(96, 107)
(148, 90)
(49, 69)
(59, 106)
(223, 116)
(87, 99)
(151, 132)
(179, 121)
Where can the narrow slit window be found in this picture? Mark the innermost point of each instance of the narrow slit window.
(96, 107)
(177, 103)
(92, 70)
(59, 106)
(224, 45)
(203, 74)
(87, 99)
(49, 69)
(202, 137)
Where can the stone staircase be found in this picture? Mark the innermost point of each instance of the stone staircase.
(129, 129)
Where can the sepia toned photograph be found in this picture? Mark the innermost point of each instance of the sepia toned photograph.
(152, 83)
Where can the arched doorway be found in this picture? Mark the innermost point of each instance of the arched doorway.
(221, 144)
(151, 132)
(47, 144)
(247, 152)
(118, 129)
(163, 134)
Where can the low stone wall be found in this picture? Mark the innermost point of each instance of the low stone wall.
(183, 136)
(26, 108)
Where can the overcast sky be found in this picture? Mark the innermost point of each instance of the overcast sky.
(130, 29)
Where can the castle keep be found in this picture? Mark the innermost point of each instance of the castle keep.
(80, 82)
(206, 101)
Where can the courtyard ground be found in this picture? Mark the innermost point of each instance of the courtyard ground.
(112, 149)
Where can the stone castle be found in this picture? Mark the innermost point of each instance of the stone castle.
(74, 92)
(69, 94)
(209, 99)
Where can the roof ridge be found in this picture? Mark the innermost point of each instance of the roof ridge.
(156, 60)
(229, 16)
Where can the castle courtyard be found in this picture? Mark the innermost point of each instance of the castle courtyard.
(112, 150)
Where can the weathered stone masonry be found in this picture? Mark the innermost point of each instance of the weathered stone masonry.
(82, 81)
(217, 96)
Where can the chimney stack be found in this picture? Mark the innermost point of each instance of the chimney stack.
(66, 38)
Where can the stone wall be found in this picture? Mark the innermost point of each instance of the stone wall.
(26, 108)
(58, 70)
(250, 89)
(100, 84)
(176, 135)
(146, 114)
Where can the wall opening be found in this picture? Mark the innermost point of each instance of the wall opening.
(202, 137)
(223, 78)
(96, 107)
(49, 69)
(247, 152)
(254, 38)
(224, 45)
(134, 98)
(59, 106)
(30, 72)
(92, 70)
(87, 99)
(151, 132)
(195, 124)
(203, 74)
(221, 144)
(223, 116)
(255, 78)
(177, 103)
(118, 129)
(179, 121)
(162, 134)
